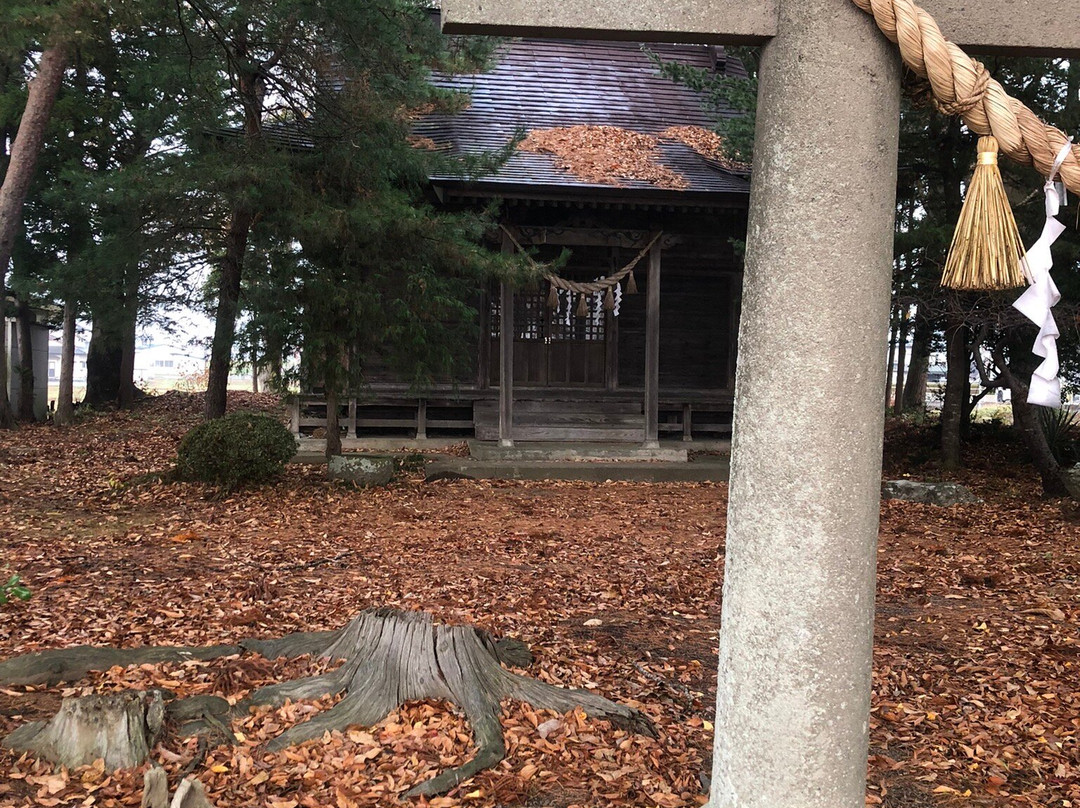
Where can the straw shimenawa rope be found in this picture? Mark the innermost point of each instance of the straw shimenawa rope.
(962, 86)
(584, 287)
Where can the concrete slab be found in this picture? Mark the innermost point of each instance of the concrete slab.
(659, 21)
(491, 450)
(711, 469)
(312, 446)
(986, 27)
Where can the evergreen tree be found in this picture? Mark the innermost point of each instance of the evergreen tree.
(360, 263)
(289, 67)
(44, 31)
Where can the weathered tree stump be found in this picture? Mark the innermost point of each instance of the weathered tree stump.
(390, 657)
(118, 727)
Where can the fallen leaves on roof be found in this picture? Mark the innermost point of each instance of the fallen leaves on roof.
(604, 154)
(422, 142)
(706, 143)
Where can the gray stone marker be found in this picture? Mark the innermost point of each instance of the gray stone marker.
(796, 643)
(366, 471)
(943, 494)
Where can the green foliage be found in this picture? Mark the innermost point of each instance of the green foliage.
(732, 98)
(995, 414)
(13, 589)
(238, 449)
(1060, 428)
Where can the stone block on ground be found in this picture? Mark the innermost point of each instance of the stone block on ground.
(928, 493)
(367, 471)
(1072, 481)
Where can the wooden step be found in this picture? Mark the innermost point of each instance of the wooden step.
(561, 405)
(537, 432)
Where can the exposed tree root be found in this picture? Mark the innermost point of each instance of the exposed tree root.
(71, 664)
(390, 657)
(189, 794)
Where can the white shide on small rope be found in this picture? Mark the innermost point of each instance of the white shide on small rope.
(1042, 294)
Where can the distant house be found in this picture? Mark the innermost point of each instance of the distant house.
(39, 340)
(624, 367)
(55, 351)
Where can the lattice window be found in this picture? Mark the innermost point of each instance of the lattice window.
(566, 326)
(533, 320)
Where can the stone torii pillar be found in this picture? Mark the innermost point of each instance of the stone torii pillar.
(796, 640)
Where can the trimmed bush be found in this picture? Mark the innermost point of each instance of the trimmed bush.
(242, 448)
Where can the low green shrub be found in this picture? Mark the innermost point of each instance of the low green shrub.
(13, 589)
(1060, 427)
(242, 448)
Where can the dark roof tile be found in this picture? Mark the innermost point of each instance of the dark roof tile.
(542, 84)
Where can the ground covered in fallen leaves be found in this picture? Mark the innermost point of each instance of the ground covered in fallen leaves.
(615, 587)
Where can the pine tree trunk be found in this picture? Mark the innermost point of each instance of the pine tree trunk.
(919, 363)
(7, 415)
(103, 359)
(41, 95)
(957, 392)
(217, 385)
(252, 93)
(24, 319)
(65, 404)
(892, 359)
(272, 357)
(333, 423)
(901, 358)
(127, 391)
(1026, 420)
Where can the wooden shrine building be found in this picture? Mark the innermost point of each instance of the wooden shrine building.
(621, 367)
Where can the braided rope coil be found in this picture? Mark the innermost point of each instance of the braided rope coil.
(962, 86)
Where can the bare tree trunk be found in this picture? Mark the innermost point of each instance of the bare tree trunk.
(7, 415)
(254, 373)
(1025, 419)
(957, 392)
(41, 95)
(127, 391)
(919, 363)
(65, 404)
(24, 319)
(333, 425)
(901, 342)
(892, 359)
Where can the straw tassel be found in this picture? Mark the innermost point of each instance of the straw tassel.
(631, 284)
(609, 300)
(986, 250)
(553, 297)
(582, 307)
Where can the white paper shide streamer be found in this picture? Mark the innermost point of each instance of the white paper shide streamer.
(1035, 303)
